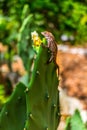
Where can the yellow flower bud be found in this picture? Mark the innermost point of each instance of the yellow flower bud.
(36, 39)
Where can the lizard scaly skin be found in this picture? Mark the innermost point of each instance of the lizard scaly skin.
(52, 45)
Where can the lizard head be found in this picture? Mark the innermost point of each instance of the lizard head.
(47, 35)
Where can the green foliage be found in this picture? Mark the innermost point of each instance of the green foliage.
(3, 99)
(60, 17)
(75, 122)
(73, 19)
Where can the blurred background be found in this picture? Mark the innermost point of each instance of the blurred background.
(67, 20)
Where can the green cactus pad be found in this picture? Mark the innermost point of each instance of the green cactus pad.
(13, 114)
(42, 95)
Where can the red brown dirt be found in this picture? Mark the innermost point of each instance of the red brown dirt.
(73, 73)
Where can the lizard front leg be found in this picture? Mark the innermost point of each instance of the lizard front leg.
(45, 46)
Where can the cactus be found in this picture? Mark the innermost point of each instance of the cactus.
(40, 109)
(42, 95)
(75, 122)
(25, 49)
(42, 99)
(13, 114)
(24, 43)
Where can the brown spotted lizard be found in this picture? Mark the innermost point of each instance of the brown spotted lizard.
(52, 46)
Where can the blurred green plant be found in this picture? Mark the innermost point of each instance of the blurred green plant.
(60, 17)
(3, 98)
(75, 122)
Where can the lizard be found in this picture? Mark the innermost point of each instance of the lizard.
(52, 46)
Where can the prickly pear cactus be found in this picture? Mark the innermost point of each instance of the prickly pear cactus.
(40, 109)
(24, 42)
(13, 114)
(42, 95)
(75, 122)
